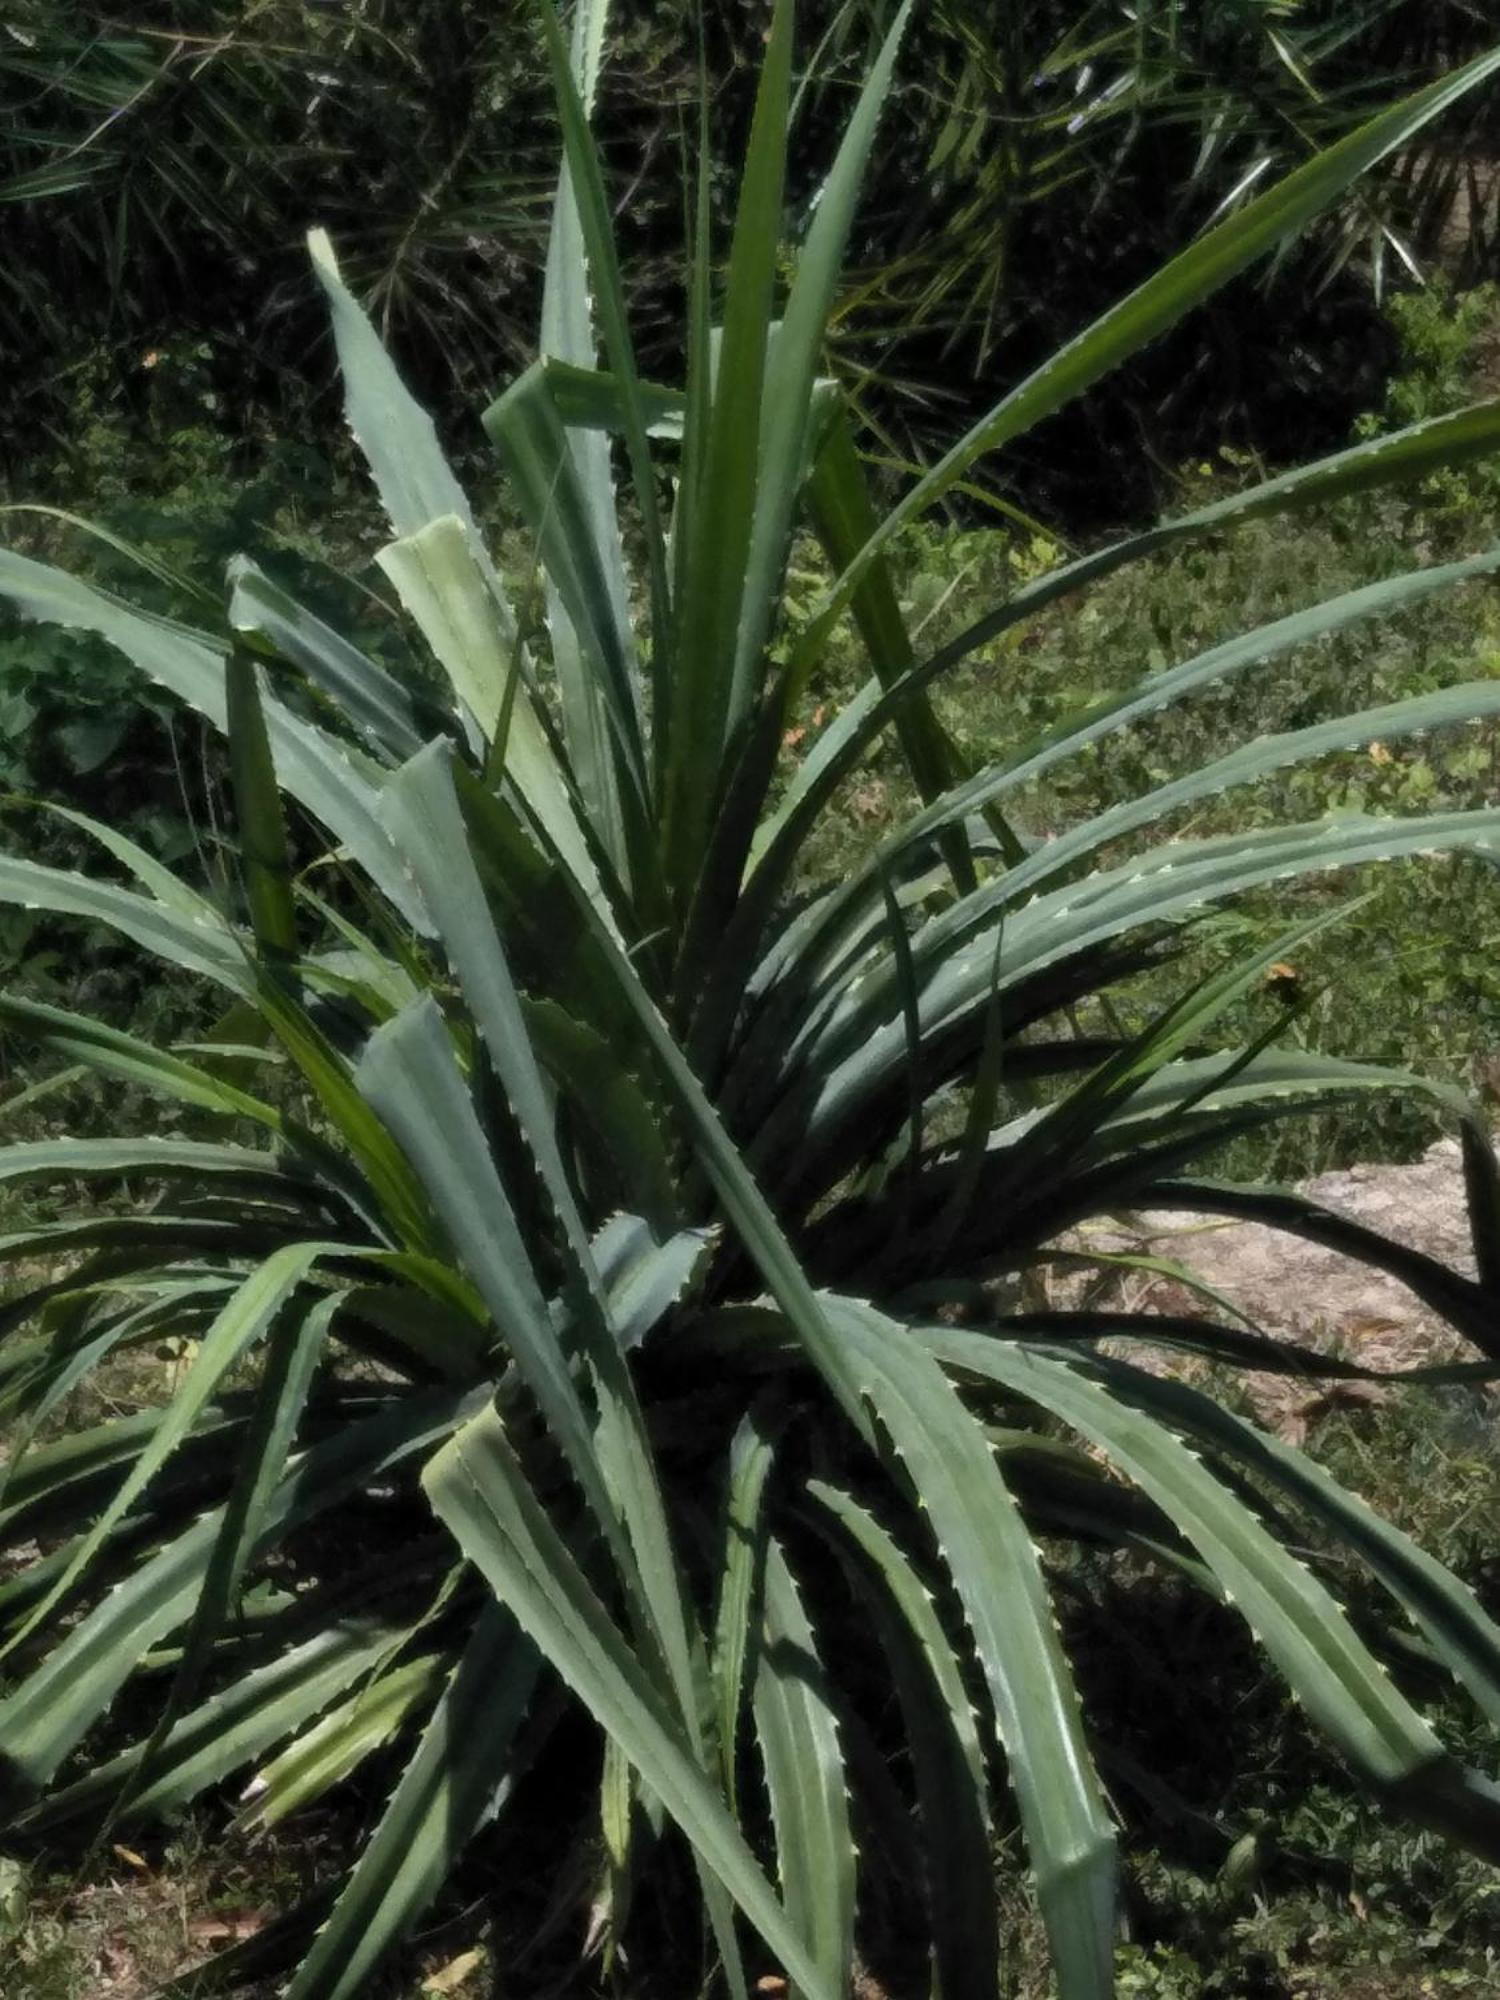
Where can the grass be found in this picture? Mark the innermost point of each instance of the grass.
(118, 1928)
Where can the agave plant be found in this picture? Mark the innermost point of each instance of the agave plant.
(594, 1241)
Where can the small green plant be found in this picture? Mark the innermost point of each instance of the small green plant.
(1442, 334)
(601, 1255)
(1447, 349)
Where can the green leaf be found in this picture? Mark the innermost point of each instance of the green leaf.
(736, 1624)
(264, 854)
(197, 947)
(947, 1760)
(324, 1755)
(995, 1570)
(443, 587)
(705, 705)
(839, 501)
(295, 1343)
(744, 1205)
(425, 808)
(792, 361)
(590, 203)
(241, 1323)
(195, 1159)
(54, 1707)
(608, 1103)
(1192, 276)
(1241, 766)
(646, 1277)
(386, 713)
(480, 1493)
(395, 434)
(1407, 455)
(402, 1210)
(410, 1076)
(325, 775)
(564, 483)
(52, 1484)
(1045, 1148)
(1446, 1611)
(155, 879)
(1076, 733)
(799, 1746)
(457, 1780)
(1343, 1689)
(251, 1715)
(1167, 883)
(1482, 1186)
(79, 1039)
(591, 399)
(581, 561)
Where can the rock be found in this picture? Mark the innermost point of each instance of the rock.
(1300, 1291)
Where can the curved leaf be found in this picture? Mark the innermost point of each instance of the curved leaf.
(483, 1497)
(1342, 1687)
(952, 1791)
(996, 1572)
(804, 1767)
(456, 1781)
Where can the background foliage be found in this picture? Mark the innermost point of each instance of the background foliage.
(159, 166)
